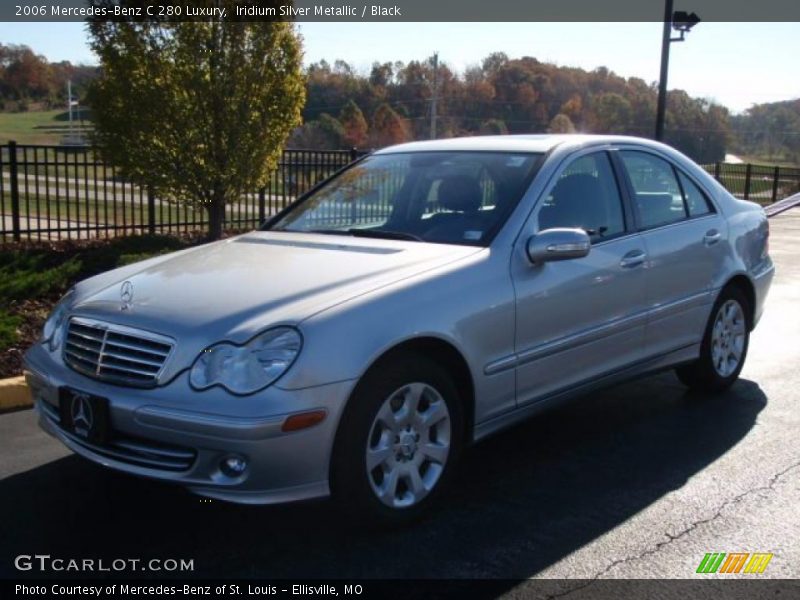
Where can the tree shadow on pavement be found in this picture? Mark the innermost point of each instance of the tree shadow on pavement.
(522, 500)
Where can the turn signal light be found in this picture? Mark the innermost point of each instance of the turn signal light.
(303, 420)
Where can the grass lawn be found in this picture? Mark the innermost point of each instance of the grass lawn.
(758, 187)
(780, 161)
(35, 127)
(112, 212)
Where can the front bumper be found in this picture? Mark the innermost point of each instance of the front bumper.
(175, 433)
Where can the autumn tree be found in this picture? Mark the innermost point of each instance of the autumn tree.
(354, 125)
(612, 113)
(561, 123)
(199, 111)
(526, 95)
(388, 127)
(493, 127)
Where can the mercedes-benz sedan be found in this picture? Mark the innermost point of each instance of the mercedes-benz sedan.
(421, 299)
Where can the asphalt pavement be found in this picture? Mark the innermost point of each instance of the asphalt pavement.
(637, 481)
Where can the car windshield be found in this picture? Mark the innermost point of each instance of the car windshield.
(440, 197)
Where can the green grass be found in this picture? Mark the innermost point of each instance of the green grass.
(101, 212)
(34, 127)
(735, 184)
(763, 159)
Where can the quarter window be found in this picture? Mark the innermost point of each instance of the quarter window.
(696, 200)
(656, 189)
(585, 196)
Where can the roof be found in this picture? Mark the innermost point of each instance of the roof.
(506, 143)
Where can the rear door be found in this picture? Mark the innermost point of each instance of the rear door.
(685, 239)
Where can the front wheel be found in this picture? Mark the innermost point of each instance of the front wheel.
(724, 347)
(399, 440)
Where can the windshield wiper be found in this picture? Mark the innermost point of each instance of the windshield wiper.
(384, 233)
(323, 231)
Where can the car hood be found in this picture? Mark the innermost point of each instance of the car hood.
(235, 288)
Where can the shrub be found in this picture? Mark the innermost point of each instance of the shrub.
(8, 329)
(24, 276)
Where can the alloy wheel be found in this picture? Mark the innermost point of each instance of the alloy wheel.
(408, 445)
(728, 338)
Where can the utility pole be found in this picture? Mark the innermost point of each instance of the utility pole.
(435, 94)
(662, 81)
(69, 105)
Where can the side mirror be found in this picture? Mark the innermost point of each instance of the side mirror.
(558, 244)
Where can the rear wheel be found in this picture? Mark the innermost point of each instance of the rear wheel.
(724, 347)
(399, 440)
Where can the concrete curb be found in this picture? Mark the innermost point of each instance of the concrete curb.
(783, 205)
(14, 393)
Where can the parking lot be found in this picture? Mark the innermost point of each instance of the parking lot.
(637, 481)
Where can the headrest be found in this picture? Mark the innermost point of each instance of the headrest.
(579, 201)
(580, 187)
(460, 194)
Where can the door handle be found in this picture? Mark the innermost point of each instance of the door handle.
(711, 237)
(634, 258)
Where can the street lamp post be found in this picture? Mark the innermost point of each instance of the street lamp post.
(682, 23)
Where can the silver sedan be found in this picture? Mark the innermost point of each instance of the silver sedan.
(421, 299)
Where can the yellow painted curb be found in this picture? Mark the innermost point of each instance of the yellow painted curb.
(14, 393)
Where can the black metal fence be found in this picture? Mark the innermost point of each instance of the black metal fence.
(66, 192)
(759, 183)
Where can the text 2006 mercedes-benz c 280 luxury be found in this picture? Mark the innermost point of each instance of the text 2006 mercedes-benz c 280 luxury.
(425, 297)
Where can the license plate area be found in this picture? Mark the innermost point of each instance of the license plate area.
(84, 415)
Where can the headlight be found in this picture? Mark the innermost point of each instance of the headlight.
(54, 326)
(250, 367)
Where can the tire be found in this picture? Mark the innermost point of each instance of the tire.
(724, 346)
(385, 420)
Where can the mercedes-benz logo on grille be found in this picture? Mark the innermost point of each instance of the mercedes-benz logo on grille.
(82, 415)
(126, 295)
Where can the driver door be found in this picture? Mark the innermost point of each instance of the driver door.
(582, 318)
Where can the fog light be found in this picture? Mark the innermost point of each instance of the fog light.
(233, 466)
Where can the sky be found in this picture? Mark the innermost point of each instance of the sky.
(734, 64)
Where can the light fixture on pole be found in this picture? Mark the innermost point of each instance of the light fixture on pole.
(682, 22)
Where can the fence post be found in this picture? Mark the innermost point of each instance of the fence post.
(262, 205)
(776, 178)
(151, 210)
(353, 153)
(747, 175)
(717, 169)
(14, 173)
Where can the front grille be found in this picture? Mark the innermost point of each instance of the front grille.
(114, 353)
(132, 450)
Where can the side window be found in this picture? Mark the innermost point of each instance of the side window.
(656, 189)
(586, 195)
(696, 200)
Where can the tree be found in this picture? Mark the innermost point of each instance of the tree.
(561, 123)
(388, 127)
(493, 127)
(354, 124)
(325, 133)
(199, 111)
(612, 112)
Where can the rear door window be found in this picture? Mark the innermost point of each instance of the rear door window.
(696, 200)
(656, 191)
